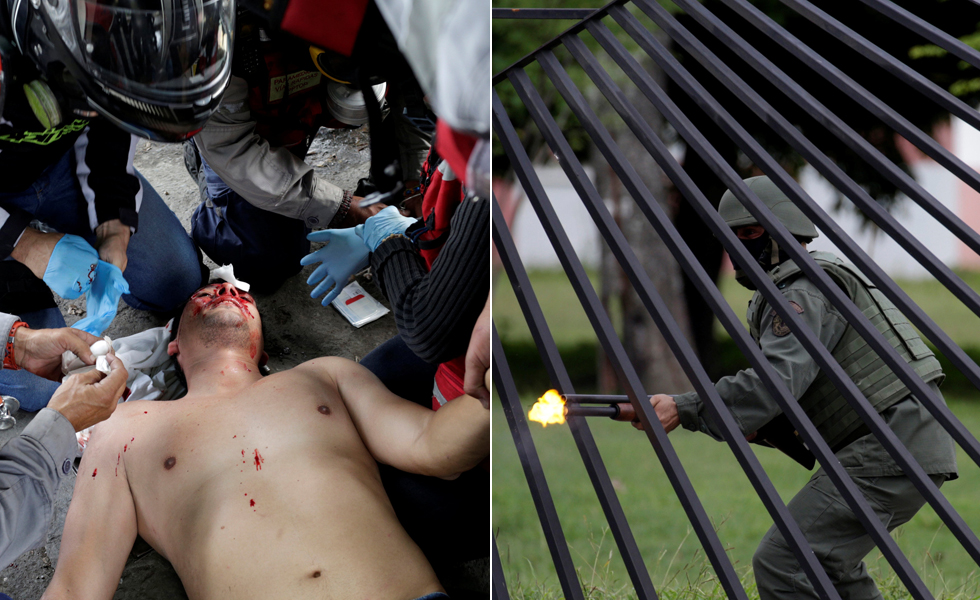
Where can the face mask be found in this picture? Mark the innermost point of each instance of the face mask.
(765, 250)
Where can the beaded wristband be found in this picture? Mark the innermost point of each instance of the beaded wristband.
(342, 211)
(8, 357)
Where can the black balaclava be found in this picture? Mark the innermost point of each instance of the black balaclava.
(766, 252)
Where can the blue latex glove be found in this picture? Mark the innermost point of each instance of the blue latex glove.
(103, 299)
(386, 222)
(72, 267)
(344, 255)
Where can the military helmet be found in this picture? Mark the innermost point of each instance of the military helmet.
(736, 215)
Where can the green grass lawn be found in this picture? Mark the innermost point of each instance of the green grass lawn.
(569, 324)
(669, 547)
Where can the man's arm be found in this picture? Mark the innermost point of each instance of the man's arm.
(101, 524)
(402, 434)
(744, 393)
(272, 179)
(436, 310)
(104, 168)
(32, 466)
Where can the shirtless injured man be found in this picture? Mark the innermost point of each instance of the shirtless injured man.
(260, 487)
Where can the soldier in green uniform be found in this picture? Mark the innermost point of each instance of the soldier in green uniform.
(833, 531)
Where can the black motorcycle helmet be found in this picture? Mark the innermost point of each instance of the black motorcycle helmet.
(155, 68)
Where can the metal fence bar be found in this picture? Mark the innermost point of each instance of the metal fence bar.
(827, 118)
(541, 13)
(668, 233)
(927, 30)
(507, 391)
(665, 322)
(858, 93)
(497, 582)
(815, 274)
(764, 284)
(597, 13)
(886, 61)
(545, 343)
(959, 358)
(628, 378)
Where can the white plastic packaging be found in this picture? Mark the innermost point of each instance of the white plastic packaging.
(357, 306)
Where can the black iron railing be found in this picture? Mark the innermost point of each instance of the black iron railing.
(606, 84)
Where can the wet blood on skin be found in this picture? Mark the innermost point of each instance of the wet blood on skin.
(251, 502)
(126, 447)
(94, 472)
(258, 460)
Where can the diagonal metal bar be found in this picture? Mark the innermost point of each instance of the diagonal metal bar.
(665, 321)
(817, 110)
(628, 378)
(506, 390)
(597, 13)
(665, 229)
(856, 92)
(541, 13)
(545, 343)
(497, 581)
(821, 355)
(816, 275)
(927, 30)
(712, 107)
(886, 61)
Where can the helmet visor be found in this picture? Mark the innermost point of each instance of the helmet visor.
(159, 48)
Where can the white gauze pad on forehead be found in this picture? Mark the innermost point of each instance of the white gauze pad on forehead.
(227, 273)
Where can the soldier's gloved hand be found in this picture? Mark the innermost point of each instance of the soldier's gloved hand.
(71, 268)
(344, 255)
(387, 222)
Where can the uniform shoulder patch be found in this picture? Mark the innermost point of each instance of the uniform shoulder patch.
(779, 327)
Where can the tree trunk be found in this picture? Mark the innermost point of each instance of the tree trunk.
(645, 346)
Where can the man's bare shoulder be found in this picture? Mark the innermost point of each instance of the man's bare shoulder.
(327, 367)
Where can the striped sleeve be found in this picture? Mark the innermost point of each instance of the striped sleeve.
(436, 310)
(104, 167)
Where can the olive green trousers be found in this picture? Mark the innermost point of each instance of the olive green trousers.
(836, 535)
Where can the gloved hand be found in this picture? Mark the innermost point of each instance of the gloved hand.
(71, 268)
(344, 255)
(387, 222)
(103, 299)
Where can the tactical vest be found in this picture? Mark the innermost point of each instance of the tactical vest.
(833, 417)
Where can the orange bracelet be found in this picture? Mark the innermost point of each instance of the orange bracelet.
(8, 357)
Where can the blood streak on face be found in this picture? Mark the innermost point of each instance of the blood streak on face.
(258, 460)
(126, 447)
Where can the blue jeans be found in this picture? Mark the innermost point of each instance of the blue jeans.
(162, 270)
(264, 247)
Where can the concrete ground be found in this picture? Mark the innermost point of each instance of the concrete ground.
(298, 329)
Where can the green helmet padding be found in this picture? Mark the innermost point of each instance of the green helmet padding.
(736, 215)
